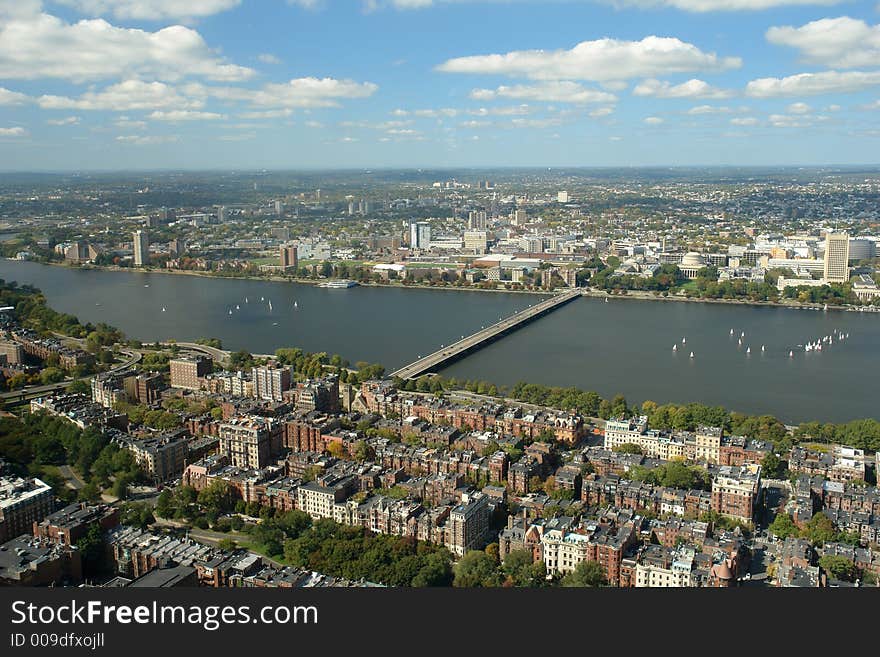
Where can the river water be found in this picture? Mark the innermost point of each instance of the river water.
(624, 346)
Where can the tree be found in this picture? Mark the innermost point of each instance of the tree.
(217, 497)
(139, 515)
(521, 570)
(773, 467)
(336, 449)
(628, 448)
(91, 492)
(476, 569)
(165, 506)
(586, 573)
(79, 387)
(820, 530)
(227, 544)
(51, 375)
(783, 526)
(93, 551)
(839, 567)
(437, 571)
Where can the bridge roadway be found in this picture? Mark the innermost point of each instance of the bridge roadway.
(484, 336)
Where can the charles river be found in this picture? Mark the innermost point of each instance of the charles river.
(623, 346)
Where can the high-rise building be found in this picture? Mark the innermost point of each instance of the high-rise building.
(222, 214)
(289, 257)
(419, 235)
(22, 503)
(282, 233)
(735, 491)
(519, 217)
(161, 457)
(11, 352)
(270, 383)
(837, 257)
(145, 388)
(468, 524)
(186, 372)
(177, 247)
(141, 248)
(250, 442)
(477, 220)
(862, 249)
(562, 197)
(279, 208)
(476, 241)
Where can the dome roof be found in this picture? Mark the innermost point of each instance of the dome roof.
(693, 259)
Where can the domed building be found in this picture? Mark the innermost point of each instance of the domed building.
(691, 263)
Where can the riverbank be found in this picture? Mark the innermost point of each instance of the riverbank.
(635, 295)
(288, 279)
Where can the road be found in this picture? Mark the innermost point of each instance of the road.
(218, 355)
(32, 392)
(72, 478)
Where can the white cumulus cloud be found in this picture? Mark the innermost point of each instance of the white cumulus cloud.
(70, 120)
(123, 97)
(703, 6)
(833, 42)
(184, 115)
(813, 84)
(599, 60)
(298, 93)
(691, 89)
(147, 140)
(8, 97)
(45, 46)
(152, 10)
(550, 92)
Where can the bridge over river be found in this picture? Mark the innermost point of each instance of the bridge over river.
(481, 338)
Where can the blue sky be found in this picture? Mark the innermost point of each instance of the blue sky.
(235, 84)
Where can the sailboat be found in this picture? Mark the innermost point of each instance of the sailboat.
(692, 354)
(743, 334)
(163, 309)
(763, 348)
(237, 307)
(731, 331)
(675, 347)
(246, 300)
(748, 350)
(262, 298)
(684, 340)
(606, 299)
(270, 306)
(295, 304)
(791, 354)
(230, 312)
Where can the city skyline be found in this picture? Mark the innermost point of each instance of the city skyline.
(91, 85)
